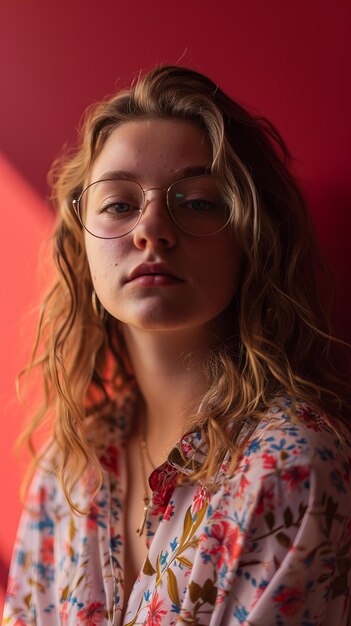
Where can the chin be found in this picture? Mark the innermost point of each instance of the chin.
(156, 317)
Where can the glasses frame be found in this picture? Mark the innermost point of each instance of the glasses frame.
(76, 206)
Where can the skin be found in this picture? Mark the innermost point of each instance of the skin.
(168, 326)
(156, 153)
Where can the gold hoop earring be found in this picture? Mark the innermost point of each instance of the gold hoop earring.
(97, 306)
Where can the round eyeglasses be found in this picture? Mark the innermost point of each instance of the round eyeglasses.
(109, 209)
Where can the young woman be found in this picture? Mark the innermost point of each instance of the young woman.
(199, 466)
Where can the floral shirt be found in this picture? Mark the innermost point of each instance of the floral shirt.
(268, 546)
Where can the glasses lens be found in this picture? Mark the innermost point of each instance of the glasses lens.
(197, 206)
(111, 208)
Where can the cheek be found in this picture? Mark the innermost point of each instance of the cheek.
(104, 262)
(222, 263)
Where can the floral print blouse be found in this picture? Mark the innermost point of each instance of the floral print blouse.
(268, 546)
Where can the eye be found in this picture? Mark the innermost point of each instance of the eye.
(198, 205)
(118, 209)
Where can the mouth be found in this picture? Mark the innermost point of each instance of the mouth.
(153, 274)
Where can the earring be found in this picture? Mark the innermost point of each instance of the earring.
(97, 306)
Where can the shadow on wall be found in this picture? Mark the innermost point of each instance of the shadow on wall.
(331, 210)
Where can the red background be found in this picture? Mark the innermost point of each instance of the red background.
(288, 61)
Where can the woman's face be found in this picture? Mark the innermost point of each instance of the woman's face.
(193, 279)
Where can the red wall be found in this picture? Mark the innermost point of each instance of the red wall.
(288, 60)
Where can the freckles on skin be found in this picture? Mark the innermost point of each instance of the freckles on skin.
(102, 262)
(157, 153)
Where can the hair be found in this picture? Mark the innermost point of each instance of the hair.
(281, 342)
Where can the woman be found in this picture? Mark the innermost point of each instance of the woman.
(199, 466)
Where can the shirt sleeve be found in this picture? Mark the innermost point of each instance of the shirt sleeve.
(281, 536)
(61, 566)
(31, 595)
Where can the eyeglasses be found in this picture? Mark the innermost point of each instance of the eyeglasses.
(109, 209)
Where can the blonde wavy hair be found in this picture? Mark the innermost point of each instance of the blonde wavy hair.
(281, 341)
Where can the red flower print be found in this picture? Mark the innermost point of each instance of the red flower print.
(93, 615)
(225, 468)
(310, 418)
(201, 498)
(161, 476)
(155, 611)
(270, 462)
(227, 543)
(64, 613)
(110, 460)
(289, 600)
(38, 497)
(217, 515)
(162, 482)
(243, 484)
(169, 512)
(264, 500)
(47, 551)
(295, 475)
(187, 448)
(92, 517)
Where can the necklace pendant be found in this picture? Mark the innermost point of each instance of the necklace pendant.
(140, 530)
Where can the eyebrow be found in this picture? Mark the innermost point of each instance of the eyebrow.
(187, 172)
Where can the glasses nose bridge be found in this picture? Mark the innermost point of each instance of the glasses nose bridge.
(148, 200)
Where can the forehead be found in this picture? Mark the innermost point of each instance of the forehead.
(161, 149)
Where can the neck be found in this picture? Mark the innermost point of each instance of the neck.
(169, 371)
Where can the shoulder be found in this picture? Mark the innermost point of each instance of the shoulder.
(295, 451)
(297, 430)
(285, 515)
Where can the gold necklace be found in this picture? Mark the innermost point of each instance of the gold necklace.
(144, 453)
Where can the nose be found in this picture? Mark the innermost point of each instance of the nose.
(155, 228)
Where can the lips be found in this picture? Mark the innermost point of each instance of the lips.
(152, 269)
